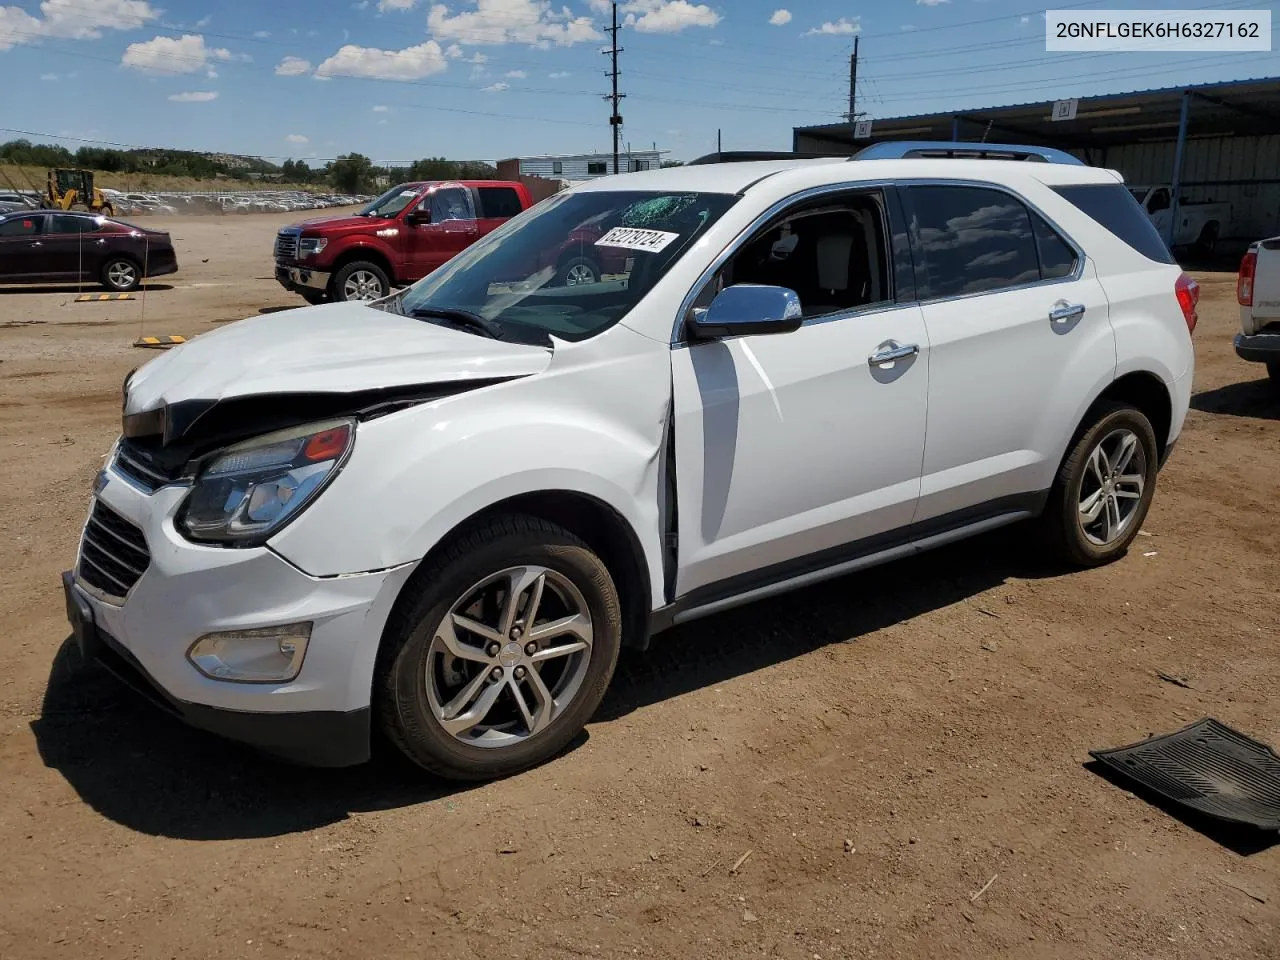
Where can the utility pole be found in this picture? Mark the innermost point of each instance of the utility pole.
(853, 82)
(615, 119)
(718, 147)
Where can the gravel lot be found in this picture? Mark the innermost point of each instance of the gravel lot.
(878, 748)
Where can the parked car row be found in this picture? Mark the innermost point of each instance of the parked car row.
(169, 203)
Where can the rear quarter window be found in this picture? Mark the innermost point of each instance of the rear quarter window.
(1112, 206)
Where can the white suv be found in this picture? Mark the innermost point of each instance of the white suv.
(442, 515)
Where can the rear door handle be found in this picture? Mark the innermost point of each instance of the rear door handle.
(1063, 312)
(891, 351)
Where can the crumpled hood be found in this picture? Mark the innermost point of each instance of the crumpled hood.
(335, 348)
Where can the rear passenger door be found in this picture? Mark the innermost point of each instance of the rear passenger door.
(72, 250)
(1019, 334)
(495, 206)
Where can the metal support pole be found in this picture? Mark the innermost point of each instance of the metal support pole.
(1176, 186)
(853, 83)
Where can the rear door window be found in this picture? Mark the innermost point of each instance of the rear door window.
(63, 224)
(20, 226)
(1114, 207)
(498, 203)
(970, 240)
(1057, 258)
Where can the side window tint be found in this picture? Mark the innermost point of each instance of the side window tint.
(499, 203)
(971, 240)
(1057, 259)
(66, 225)
(1159, 201)
(450, 204)
(20, 227)
(1115, 208)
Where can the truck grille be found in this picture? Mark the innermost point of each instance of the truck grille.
(287, 245)
(113, 553)
(138, 464)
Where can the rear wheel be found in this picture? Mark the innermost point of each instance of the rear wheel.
(121, 275)
(1104, 487)
(503, 655)
(1208, 242)
(360, 280)
(79, 205)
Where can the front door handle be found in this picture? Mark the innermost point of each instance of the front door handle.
(36, 243)
(1064, 312)
(891, 351)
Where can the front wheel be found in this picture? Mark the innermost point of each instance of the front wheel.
(1104, 488)
(314, 297)
(502, 656)
(360, 280)
(577, 270)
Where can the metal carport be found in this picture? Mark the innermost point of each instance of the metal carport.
(1215, 141)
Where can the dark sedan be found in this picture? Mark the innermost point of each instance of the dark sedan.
(46, 246)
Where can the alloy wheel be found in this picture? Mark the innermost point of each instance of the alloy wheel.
(122, 274)
(509, 657)
(579, 273)
(1111, 489)
(362, 285)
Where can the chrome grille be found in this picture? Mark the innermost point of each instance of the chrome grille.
(113, 553)
(287, 245)
(139, 466)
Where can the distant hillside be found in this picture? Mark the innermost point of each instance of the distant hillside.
(26, 177)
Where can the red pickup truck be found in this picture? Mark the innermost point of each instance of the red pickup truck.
(401, 237)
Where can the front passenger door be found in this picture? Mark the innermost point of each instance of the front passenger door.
(797, 450)
(22, 248)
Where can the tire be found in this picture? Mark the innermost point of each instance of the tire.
(121, 274)
(576, 270)
(1081, 476)
(314, 297)
(108, 210)
(357, 276)
(79, 206)
(418, 670)
(1207, 244)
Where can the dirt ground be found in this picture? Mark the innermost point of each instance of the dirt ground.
(881, 749)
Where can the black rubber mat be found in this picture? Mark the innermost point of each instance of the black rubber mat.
(1207, 767)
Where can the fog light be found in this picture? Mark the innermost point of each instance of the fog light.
(264, 655)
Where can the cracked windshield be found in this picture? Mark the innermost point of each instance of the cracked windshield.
(571, 268)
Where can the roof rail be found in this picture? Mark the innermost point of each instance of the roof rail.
(904, 149)
(745, 156)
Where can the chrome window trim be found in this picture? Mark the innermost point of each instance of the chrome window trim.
(1070, 241)
(748, 231)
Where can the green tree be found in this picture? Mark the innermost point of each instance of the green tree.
(352, 173)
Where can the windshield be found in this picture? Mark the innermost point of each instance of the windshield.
(391, 202)
(572, 266)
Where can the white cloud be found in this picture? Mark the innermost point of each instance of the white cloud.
(72, 19)
(559, 74)
(453, 52)
(411, 63)
(907, 27)
(667, 16)
(511, 21)
(297, 138)
(496, 87)
(516, 74)
(385, 5)
(841, 28)
(930, 3)
(780, 18)
(48, 76)
(1024, 19)
(293, 67)
(195, 96)
(383, 123)
(174, 55)
(262, 34)
(381, 109)
(478, 58)
(205, 21)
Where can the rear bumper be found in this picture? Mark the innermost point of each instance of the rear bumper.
(298, 279)
(159, 265)
(320, 738)
(1258, 347)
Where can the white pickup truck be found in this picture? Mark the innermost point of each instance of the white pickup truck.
(1200, 223)
(1258, 293)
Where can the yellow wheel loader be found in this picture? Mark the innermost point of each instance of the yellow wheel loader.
(74, 190)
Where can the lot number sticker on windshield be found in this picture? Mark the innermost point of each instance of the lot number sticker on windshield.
(633, 238)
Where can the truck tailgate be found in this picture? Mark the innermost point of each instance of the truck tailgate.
(1266, 284)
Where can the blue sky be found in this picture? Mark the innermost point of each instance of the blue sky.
(485, 79)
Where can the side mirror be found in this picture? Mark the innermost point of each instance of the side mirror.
(747, 309)
(417, 218)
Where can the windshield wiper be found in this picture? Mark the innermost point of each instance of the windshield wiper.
(463, 318)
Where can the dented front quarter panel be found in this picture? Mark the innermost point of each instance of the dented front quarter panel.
(593, 422)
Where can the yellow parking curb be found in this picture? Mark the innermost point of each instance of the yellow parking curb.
(158, 341)
(99, 297)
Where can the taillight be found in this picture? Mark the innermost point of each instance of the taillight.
(1244, 285)
(1188, 293)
